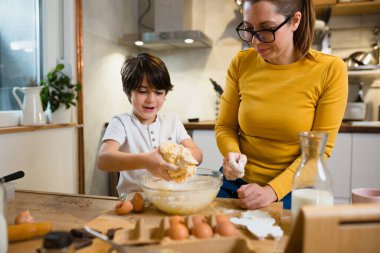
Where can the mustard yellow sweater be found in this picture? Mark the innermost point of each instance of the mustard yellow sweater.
(265, 106)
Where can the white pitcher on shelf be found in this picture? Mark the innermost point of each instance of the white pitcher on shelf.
(32, 112)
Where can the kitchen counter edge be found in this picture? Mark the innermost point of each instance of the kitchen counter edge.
(344, 128)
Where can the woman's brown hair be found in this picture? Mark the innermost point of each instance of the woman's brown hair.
(304, 35)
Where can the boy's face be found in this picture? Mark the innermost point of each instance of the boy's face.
(147, 102)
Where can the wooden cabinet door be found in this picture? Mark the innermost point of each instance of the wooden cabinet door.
(365, 160)
(339, 164)
(323, 2)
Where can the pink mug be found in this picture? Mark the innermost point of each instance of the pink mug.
(365, 195)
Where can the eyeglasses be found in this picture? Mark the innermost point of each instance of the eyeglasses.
(266, 35)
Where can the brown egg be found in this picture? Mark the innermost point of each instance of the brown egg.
(138, 202)
(202, 230)
(226, 229)
(24, 217)
(176, 219)
(123, 207)
(178, 231)
(198, 218)
(220, 218)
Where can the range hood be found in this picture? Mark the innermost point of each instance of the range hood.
(171, 24)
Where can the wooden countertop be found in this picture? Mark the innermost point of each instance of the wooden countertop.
(67, 211)
(346, 127)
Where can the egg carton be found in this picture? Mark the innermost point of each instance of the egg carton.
(155, 238)
(143, 234)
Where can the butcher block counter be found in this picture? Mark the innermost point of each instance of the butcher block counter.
(66, 211)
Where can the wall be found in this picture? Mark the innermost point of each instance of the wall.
(103, 25)
(190, 70)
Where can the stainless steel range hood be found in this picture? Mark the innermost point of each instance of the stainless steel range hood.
(171, 25)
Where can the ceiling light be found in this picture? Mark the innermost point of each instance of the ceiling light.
(139, 43)
(189, 41)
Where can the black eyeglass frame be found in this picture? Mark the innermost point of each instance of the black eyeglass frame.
(254, 33)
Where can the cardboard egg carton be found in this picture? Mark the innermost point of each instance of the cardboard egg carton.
(143, 234)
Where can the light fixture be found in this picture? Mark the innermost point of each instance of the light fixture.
(189, 41)
(139, 43)
(239, 2)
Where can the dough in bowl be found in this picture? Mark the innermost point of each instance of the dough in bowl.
(181, 157)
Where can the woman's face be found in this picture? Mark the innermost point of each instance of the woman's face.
(263, 16)
(147, 102)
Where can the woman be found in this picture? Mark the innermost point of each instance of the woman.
(273, 91)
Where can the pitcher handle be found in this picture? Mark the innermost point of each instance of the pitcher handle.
(16, 96)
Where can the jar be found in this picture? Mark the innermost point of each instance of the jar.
(312, 182)
(58, 242)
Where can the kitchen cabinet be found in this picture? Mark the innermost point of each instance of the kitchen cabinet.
(339, 164)
(347, 8)
(365, 160)
(206, 140)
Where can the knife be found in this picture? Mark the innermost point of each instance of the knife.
(13, 176)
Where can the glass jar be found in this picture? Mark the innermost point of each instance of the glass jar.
(312, 182)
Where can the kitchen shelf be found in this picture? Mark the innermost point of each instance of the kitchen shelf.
(18, 129)
(350, 8)
(364, 73)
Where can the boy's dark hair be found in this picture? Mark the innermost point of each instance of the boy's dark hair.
(135, 68)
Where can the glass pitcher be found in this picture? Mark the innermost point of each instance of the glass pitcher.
(312, 182)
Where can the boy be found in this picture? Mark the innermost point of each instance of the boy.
(131, 140)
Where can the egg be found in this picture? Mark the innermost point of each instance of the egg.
(202, 230)
(24, 217)
(138, 202)
(178, 231)
(226, 229)
(123, 207)
(198, 218)
(176, 219)
(220, 218)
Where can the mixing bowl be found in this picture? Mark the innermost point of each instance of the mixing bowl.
(183, 198)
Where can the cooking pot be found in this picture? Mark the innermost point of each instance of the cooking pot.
(364, 60)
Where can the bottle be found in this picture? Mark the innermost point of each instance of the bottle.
(360, 98)
(3, 223)
(312, 182)
(58, 242)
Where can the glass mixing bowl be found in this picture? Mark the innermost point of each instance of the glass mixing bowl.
(183, 198)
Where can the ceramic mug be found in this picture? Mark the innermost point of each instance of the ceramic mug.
(365, 195)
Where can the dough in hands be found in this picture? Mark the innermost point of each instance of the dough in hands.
(235, 169)
(181, 157)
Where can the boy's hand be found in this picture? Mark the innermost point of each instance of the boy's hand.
(158, 167)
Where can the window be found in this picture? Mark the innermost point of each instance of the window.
(20, 59)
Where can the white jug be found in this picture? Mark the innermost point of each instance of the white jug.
(32, 113)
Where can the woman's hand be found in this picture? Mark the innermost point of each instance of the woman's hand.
(253, 196)
(233, 165)
(157, 166)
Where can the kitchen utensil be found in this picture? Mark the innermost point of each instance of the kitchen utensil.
(12, 176)
(183, 198)
(32, 112)
(103, 238)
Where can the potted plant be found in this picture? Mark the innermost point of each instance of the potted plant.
(59, 94)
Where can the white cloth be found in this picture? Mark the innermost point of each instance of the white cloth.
(137, 138)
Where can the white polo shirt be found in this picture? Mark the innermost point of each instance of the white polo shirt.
(137, 138)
